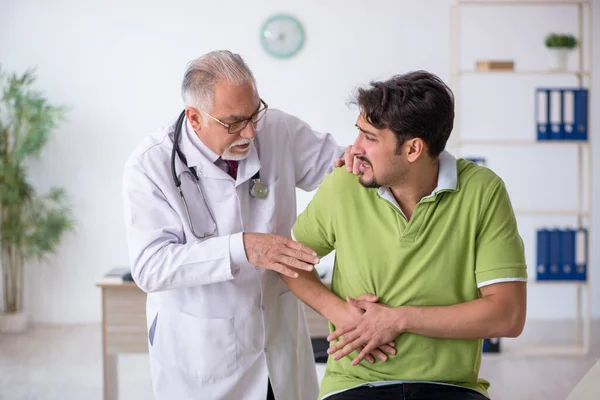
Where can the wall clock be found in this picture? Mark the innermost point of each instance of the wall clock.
(282, 36)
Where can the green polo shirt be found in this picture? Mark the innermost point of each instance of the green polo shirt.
(461, 237)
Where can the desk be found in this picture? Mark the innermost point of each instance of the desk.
(124, 327)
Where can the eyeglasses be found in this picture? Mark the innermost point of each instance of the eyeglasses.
(239, 126)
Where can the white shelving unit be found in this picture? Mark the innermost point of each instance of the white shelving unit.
(584, 149)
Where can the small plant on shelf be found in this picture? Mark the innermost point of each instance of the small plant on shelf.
(561, 44)
(561, 41)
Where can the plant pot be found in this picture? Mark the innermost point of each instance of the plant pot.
(13, 322)
(561, 58)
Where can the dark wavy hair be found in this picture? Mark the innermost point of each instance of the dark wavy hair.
(413, 105)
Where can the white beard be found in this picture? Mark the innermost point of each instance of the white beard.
(228, 154)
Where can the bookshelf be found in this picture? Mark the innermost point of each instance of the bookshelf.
(584, 145)
(523, 72)
(582, 213)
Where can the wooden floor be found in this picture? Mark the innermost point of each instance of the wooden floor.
(63, 363)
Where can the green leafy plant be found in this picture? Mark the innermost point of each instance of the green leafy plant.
(31, 226)
(561, 41)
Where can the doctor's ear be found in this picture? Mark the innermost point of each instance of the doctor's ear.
(195, 118)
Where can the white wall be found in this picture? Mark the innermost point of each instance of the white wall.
(118, 65)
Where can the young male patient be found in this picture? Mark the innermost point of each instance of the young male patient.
(433, 239)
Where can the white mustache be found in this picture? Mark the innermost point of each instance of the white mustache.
(241, 142)
(230, 154)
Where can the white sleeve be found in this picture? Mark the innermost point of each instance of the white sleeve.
(314, 154)
(160, 259)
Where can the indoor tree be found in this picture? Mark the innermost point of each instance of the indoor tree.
(31, 225)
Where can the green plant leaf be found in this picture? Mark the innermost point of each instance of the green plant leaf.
(31, 226)
(560, 40)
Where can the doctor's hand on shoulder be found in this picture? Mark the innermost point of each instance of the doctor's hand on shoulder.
(348, 159)
(278, 253)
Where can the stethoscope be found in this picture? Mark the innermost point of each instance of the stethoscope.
(258, 189)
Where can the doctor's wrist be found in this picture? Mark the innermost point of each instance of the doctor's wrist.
(237, 251)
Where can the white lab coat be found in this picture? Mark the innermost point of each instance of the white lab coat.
(223, 326)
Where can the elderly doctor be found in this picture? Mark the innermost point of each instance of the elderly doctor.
(209, 202)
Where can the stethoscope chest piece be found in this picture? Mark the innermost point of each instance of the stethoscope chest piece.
(259, 190)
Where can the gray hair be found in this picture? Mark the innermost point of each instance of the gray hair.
(197, 88)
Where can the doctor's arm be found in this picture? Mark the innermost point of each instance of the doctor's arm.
(314, 154)
(162, 258)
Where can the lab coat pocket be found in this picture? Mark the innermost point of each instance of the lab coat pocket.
(201, 347)
(276, 210)
(264, 210)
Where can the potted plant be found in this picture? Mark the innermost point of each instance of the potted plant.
(31, 226)
(561, 45)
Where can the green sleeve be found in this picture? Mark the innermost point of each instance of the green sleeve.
(314, 227)
(500, 254)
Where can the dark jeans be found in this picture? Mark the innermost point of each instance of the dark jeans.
(409, 391)
(270, 395)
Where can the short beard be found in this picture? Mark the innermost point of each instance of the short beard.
(372, 184)
(368, 184)
(236, 156)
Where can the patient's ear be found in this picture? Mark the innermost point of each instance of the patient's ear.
(414, 148)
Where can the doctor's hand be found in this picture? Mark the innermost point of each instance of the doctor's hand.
(348, 161)
(377, 326)
(351, 317)
(278, 253)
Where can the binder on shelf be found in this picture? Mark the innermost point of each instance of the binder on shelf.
(555, 254)
(562, 255)
(581, 114)
(556, 115)
(476, 160)
(491, 345)
(561, 114)
(542, 105)
(581, 254)
(569, 114)
(543, 255)
(575, 104)
(567, 255)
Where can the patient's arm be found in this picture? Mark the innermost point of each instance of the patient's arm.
(309, 288)
(500, 312)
